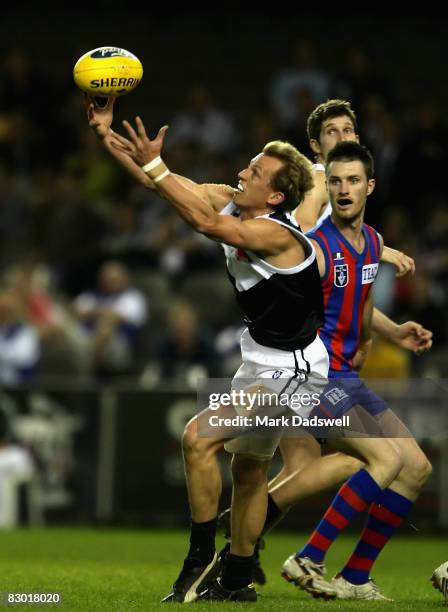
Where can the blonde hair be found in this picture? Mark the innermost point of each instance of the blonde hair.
(295, 178)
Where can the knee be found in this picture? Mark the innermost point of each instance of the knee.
(248, 471)
(194, 447)
(349, 465)
(392, 463)
(418, 469)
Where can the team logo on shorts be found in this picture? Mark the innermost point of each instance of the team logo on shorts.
(341, 275)
(335, 395)
(276, 374)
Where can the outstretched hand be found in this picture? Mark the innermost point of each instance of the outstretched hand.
(139, 146)
(414, 337)
(400, 260)
(100, 117)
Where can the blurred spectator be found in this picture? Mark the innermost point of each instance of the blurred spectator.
(386, 360)
(186, 348)
(300, 87)
(111, 317)
(29, 281)
(16, 468)
(71, 231)
(19, 343)
(228, 345)
(204, 124)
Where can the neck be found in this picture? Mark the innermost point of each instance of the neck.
(350, 228)
(251, 213)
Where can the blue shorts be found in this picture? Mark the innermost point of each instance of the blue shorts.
(341, 394)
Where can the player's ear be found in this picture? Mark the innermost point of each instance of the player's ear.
(315, 146)
(370, 186)
(276, 198)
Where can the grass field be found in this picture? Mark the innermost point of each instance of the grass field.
(131, 570)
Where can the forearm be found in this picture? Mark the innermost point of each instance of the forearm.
(382, 325)
(187, 201)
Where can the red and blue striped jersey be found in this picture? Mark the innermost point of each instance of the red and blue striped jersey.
(349, 276)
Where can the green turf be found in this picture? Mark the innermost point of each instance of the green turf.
(131, 570)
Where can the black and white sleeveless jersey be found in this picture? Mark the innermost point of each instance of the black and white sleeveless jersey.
(283, 307)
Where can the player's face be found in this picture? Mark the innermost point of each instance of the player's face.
(332, 131)
(348, 187)
(254, 186)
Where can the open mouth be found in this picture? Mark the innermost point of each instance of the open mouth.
(344, 202)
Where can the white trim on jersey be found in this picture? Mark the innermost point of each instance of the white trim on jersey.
(327, 210)
(247, 274)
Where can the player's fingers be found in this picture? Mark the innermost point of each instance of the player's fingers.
(161, 135)
(121, 139)
(123, 148)
(401, 269)
(130, 130)
(140, 128)
(423, 348)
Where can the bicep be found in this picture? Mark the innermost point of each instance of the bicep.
(256, 234)
(216, 196)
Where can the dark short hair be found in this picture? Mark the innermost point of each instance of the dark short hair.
(352, 151)
(329, 110)
(295, 177)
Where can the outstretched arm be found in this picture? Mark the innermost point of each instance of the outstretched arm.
(410, 335)
(198, 206)
(401, 261)
(100, 120)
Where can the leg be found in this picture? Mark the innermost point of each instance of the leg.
(416, 466)
(382, 464)
(319, 475)
(204, 489)
(392, 505)
(296, 453)
(201, 472)
(249, 503)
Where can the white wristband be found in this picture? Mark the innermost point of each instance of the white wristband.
(161, 176)
(152, 164)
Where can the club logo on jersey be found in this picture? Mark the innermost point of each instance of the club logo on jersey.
(335, 395)
(242, 255)
(341, 275)
(369, 272)
(338, 255)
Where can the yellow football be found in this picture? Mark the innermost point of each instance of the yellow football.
(108, 72)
